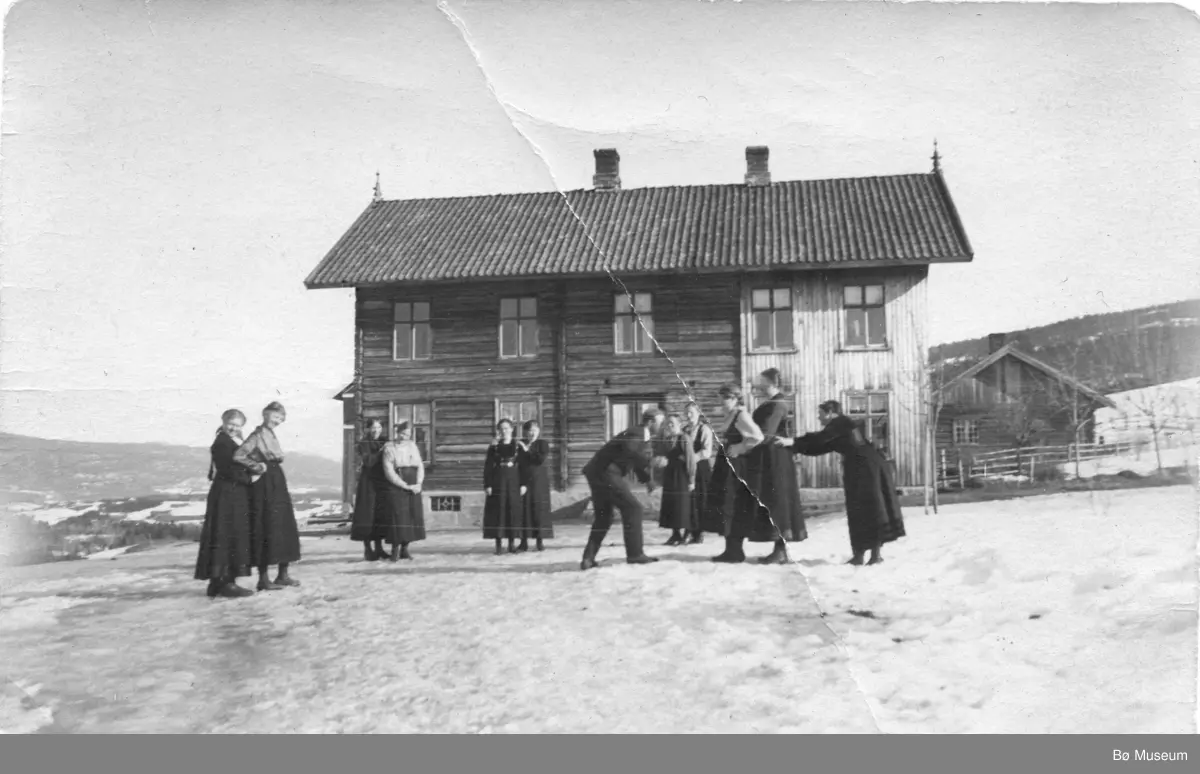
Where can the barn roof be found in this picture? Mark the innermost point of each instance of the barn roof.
(1010, 350)
(840, 223)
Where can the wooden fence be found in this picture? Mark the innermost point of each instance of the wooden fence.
(1023, 464)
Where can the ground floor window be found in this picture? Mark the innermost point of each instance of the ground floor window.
(870, 410)
(420, 415)
(966, 432)
(626, 412)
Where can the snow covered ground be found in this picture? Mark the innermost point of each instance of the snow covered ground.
(1145, 463)
(1064, 614)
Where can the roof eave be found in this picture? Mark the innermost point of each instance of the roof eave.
(312, 284)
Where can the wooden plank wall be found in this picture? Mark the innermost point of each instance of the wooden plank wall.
(699, 322)
(821, 369)
(695, 321)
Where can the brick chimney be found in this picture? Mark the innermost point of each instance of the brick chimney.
(757, 172)
(608, 170)
(996, 341)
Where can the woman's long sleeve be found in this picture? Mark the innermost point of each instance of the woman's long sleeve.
(389, 467)
(250, 454)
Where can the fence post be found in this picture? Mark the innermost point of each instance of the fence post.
(962, 475)
(1032, 462)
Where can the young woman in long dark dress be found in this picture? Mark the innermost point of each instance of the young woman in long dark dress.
(872, 507)
(503, 510)
(733, 508)
(364, 526)
(773, 468)
(704, 443)
(224, 554)
(678, 466)
(536, 478)
(275, 538)
(400, 512)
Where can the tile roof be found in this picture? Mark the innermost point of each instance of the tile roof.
(705, 228)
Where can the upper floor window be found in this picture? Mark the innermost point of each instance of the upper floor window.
(865, 323)
(771, 319)
(518, 327)
(412, 338)
(632, 333)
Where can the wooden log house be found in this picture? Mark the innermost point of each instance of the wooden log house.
(1009, 399)
(580, 309)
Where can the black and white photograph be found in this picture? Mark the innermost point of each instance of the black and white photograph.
(593, 367)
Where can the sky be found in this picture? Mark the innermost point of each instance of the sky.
(173, 170)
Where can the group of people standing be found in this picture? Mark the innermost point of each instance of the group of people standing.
(738, 479)
(249, 522)
(388, 506)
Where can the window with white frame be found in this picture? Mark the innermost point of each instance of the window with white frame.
(412, 337)
(626, 412)
(518, 327)
(966, 432)
(519, 411)
(865, 322)
(870, 411)
(771, 319)
(420, 416)
(632, 332)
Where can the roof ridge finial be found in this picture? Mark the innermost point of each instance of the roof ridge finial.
(378, 196)
(937, 159)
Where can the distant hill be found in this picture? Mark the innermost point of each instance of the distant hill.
(1108, 352)
(73, 470)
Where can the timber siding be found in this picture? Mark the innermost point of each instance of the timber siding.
(700, 323)
(695, 322)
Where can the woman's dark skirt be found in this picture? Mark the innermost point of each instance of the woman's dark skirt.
(225, 538)
(778, 488)
(538, 523)
(363, 523)
(733, 510)
(274, 537)
(704, 471)
(676, 510)
(400, 514)
(503, 511)
(872, 506)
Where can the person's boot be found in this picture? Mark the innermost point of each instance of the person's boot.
(369, 553)
(674, 540)
(283, 579)
(524, 546)
(264, 582)
(696, 539)
(379, 552)
(232, 591)
(876, 557)
(512, 547)
(733, 553)
(404, 554)
(856, 560)
(214, 588)
(499, 547)
(540, 546)
(589, 553)
(643, 559)
(395, 555)
(778, 555)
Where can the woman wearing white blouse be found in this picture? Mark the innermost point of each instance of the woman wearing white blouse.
(401, 514)
(733, 510)
(274, 536)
